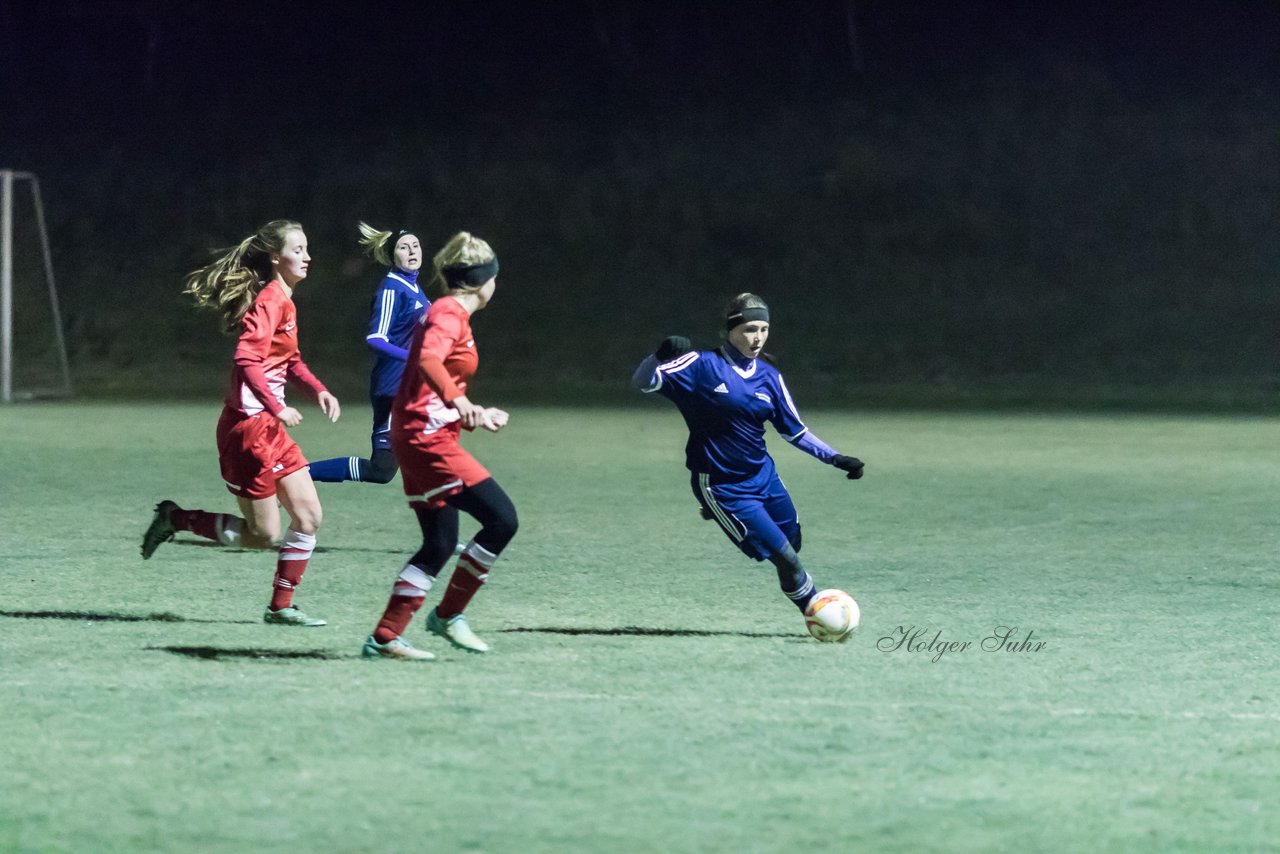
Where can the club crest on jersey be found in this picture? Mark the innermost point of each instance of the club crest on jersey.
(721, 389)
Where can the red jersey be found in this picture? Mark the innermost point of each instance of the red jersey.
(421, 405)
(267, 355)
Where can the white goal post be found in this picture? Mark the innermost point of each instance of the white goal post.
(8, 179)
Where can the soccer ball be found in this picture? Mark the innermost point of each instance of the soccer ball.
(832, 616)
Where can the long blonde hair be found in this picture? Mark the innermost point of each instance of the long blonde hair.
(464, 249)
(374, 241)
(231, 282)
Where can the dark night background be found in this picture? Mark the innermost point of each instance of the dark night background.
(950, 202)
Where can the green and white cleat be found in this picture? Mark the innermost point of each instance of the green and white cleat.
(292, 616)
(160, 530)
(456, 631)
(397, 649)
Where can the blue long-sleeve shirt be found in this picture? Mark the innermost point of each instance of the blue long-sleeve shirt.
(398, 308)
(726, 402)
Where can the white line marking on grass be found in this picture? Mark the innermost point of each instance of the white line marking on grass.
(908, 707)
(1186, 715)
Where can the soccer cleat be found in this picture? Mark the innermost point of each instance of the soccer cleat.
(292, 616)
(456, 631)
(397, 649)
(160, 530)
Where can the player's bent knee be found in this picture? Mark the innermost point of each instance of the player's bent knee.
(505, 527)
(307, 523)
(496, 533)
(382, 468)
(259, 537)
(306, 519)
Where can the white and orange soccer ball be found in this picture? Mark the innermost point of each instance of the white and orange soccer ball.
(832, 616)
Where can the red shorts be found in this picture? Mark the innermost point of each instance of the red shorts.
(254, 452)
(434, 466)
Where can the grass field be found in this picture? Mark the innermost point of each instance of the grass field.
(649, 689)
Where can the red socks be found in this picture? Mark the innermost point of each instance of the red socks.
(407, 596)
(295, 551)
(221, 527)
(411, 588)
(468, 577)
(198, 522)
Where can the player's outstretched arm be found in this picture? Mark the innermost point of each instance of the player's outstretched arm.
(645, 377)
(815, 447)
(645, 374)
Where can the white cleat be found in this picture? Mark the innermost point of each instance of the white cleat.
(397, 649)
(456, 631)
(292, 616)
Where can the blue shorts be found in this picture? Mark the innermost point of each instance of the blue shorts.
(381, 438)
(757, 514)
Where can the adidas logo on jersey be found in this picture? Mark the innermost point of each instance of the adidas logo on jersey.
(721, 389)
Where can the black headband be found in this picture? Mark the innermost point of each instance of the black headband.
(470, 276)
(746, 316)
(395, 238)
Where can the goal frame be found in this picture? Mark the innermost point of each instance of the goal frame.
(9, 178)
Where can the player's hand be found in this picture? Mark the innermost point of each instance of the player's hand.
(672, 346)
(472, 416)
(494, 419)
(290, 417)
(852, 465)
(329, 405)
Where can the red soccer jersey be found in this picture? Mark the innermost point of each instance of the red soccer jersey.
(267, 355)
(445, 335)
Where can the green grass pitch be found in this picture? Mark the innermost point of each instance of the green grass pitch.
(649, 689)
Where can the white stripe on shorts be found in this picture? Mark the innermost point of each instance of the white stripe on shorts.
(735, 533)
(434, 492)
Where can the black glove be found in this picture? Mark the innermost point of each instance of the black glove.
(672, 346)
(852, 465)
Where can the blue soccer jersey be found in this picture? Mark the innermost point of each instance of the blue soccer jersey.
(397, 309)
(725, 403)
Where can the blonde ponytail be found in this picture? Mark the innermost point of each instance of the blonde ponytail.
(374, 242)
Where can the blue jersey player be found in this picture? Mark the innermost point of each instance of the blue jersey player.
(726, 396)
(398, 307)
